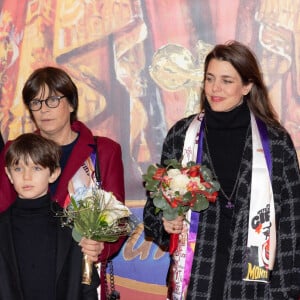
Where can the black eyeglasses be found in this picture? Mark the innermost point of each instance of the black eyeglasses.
(51, 102)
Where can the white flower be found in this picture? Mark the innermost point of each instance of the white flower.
(113, 209)
(179, 183)
(196, 180)
(173, 172)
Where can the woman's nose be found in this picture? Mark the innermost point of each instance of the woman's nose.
(216, 86)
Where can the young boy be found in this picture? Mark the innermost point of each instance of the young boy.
(38, 257)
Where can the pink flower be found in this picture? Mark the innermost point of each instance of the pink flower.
(193, 186)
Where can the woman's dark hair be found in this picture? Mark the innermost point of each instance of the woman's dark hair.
(42, 151)
(57, 80)
(245, 63)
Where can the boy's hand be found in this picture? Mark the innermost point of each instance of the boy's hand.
(91, 248)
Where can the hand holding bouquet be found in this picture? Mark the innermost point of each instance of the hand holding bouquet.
(96, 214)
(176, 189)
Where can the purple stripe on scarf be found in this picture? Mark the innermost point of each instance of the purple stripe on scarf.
(262, 128)
(200, 142)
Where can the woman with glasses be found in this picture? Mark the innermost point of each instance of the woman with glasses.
(51, 97)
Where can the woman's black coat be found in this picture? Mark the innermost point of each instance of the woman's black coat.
(285, 278)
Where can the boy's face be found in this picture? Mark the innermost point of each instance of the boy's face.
(30, 180)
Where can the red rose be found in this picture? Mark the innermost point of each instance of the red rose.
(213, 197)
(194, 171)
(175, 202)
(159, 173)
(206, 184)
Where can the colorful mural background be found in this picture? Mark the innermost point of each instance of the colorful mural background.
(138, 68)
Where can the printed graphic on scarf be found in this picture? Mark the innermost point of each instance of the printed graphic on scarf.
(258, 253)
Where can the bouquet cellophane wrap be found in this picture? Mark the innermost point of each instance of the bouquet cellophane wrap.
(96, 214)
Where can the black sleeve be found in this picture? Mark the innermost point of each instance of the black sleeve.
(153, 225)
(90, 291)
(172, 148)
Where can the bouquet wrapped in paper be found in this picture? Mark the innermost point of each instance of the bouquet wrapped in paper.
(175, 189)
(96, 214)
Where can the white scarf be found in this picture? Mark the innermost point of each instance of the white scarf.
(261, 228)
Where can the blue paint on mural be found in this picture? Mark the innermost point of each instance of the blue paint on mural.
(143, 265)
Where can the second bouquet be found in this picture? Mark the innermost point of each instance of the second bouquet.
(96, 214)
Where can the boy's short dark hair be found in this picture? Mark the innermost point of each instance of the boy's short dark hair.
(42, 151)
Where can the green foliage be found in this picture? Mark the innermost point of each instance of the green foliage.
(173, 164)
(171, 213)
(200, 204)
(151, 185)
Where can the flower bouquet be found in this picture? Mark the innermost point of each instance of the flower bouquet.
(176, 189)
(96, 214)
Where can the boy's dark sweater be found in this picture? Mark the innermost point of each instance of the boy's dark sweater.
(34, 230)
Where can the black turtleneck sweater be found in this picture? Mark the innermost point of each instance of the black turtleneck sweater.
(34, 232)
(226, 135)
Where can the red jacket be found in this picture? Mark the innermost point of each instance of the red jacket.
(112, 174)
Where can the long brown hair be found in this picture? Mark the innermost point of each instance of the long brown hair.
(245, 63)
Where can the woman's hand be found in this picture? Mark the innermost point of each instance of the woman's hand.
(173, 226)
(91, 248)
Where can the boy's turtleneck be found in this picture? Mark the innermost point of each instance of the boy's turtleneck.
(34, 234)
(32, 205)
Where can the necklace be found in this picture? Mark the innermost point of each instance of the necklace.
(229, 204)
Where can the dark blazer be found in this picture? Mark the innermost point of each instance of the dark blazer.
(68, 266)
